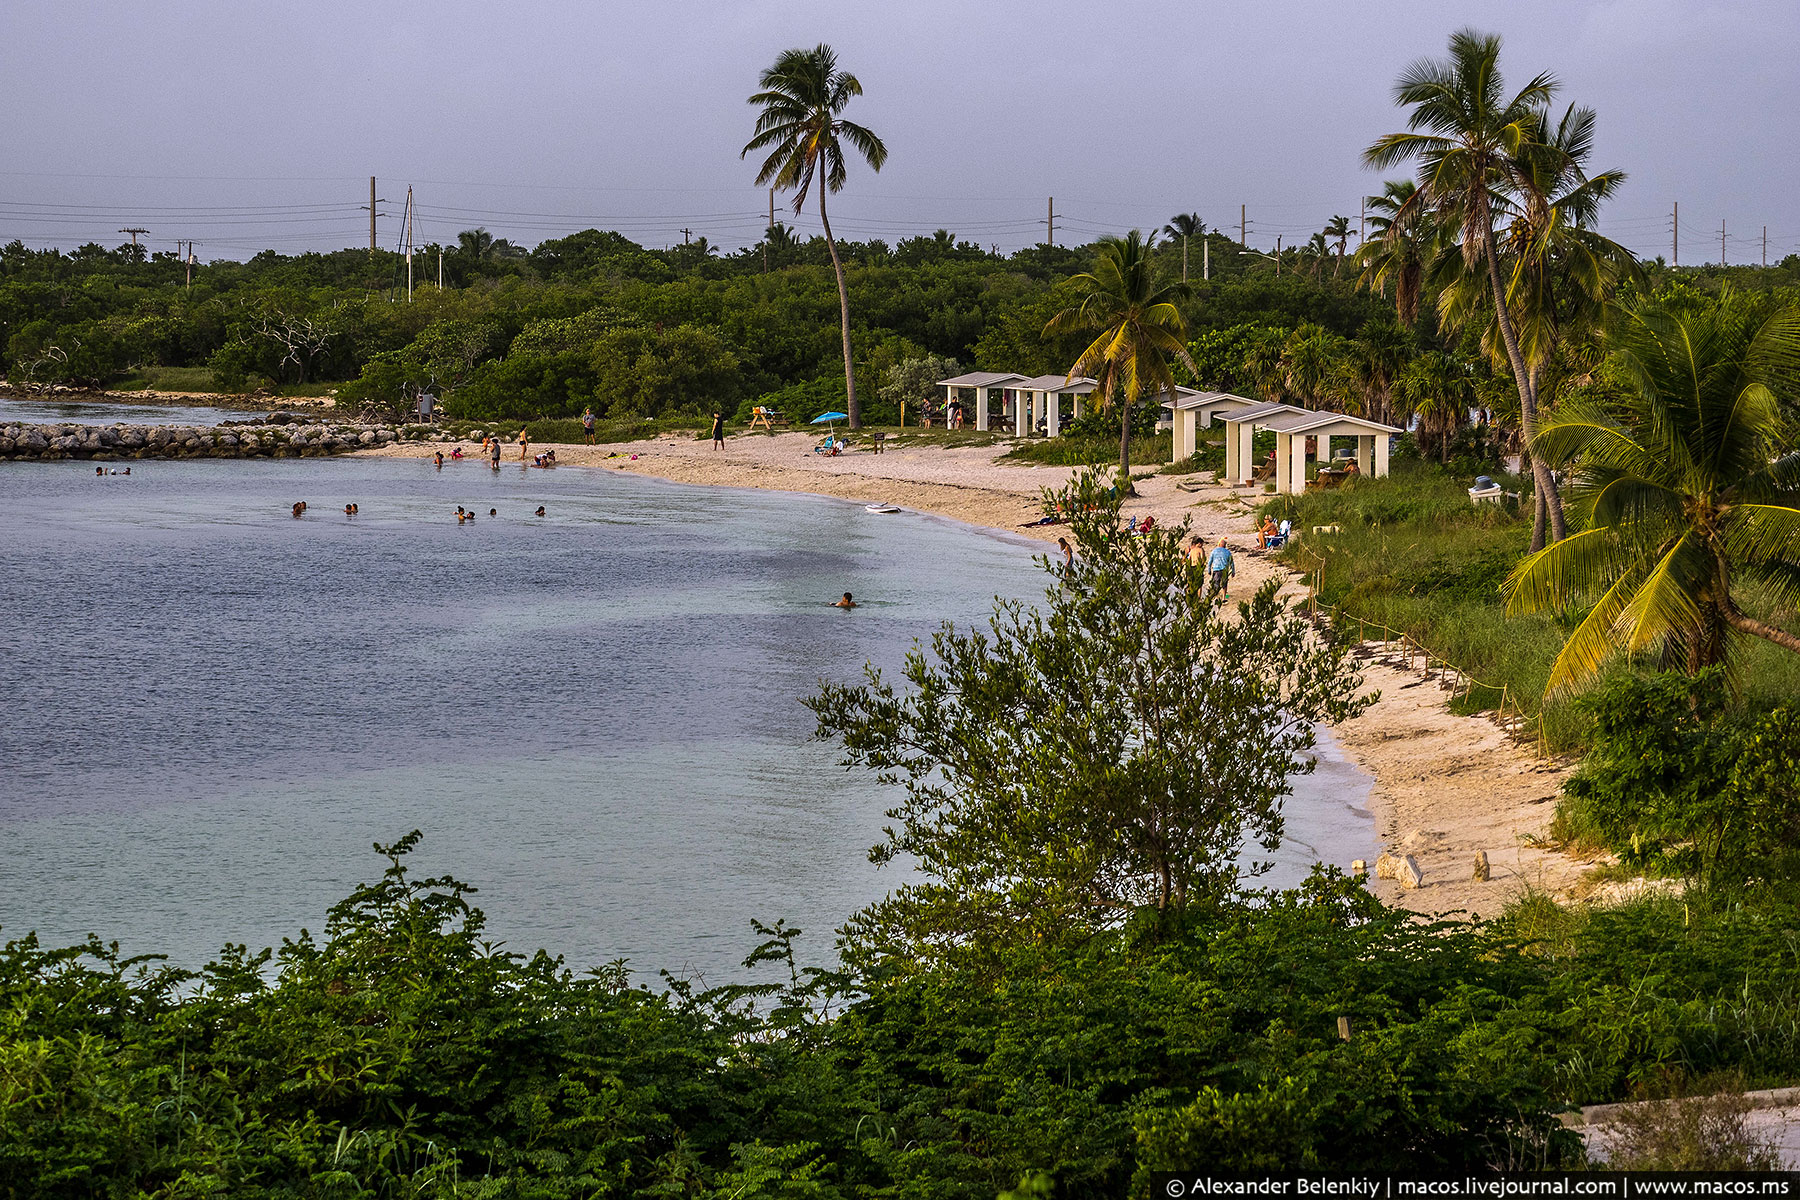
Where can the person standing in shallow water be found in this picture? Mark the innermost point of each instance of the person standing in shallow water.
(524, 443)
(718, 430)
(494, 453)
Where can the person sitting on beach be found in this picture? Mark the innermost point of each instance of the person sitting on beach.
(1265, 532)
(540, 511)
(846, 602)
(550, 456)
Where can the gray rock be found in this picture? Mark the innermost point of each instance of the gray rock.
(366, 437)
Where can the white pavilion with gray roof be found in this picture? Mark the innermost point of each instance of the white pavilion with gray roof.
(1292, 427)
(984, 384)
(1040, 397)
(1193, 410)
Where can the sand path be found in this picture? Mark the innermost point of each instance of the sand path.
(1445, 786)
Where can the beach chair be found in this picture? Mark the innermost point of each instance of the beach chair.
(831, 446)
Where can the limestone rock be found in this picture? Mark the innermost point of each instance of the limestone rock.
(366, 437)
(1387, 867)
(1358, 868)
(1481, 866)
(1410, 875)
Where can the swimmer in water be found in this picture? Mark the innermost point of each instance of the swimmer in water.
(540, 511)
(99, 470)
(846, 602)
(493, 512)
(299, 507)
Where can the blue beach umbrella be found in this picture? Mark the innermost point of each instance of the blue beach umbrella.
(830, 416)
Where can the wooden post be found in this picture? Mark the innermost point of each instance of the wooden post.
(1344, 1028)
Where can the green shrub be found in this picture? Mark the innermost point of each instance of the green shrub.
(1677, 783)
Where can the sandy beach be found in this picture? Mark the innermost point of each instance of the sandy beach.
(1445, 786)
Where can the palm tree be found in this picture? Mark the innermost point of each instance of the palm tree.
(802, 97)
(1185, 226)
(1694, 488)
(1401, 247)
(1315, 252)
(1436, 388)
(1139, 326)
(1560, 273)
(1464, 131)
(1339, 228)
(1309, 360)
(474, 243)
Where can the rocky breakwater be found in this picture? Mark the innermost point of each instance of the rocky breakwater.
(289, 438)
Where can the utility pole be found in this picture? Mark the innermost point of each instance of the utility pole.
(1721, 241)
(134, 231)
(1765, 245)
(187, 259)
(409, 243)
(440, 268)
(1677, 246)
(1278, 256)
(1242, 226)
(768, 237)
(1362, 223)
(1050, 223)
(1205, 258)
(685, 232)
(372, 203)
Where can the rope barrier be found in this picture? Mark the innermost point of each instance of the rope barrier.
(1459, 682)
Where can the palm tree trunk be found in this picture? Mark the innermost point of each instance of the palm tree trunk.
(1756, 628)
(1184, 258)
(1125, 446)
(1546, 483)
(851, 408)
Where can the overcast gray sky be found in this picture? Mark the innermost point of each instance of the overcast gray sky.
(248, 125)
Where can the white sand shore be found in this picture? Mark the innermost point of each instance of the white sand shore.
(1445, 786)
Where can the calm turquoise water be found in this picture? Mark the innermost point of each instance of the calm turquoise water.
(101, 412)
(209, 709)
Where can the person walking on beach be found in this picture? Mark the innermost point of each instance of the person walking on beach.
(718, 430)
(524, 443)
(1221, 566)
(587, 425)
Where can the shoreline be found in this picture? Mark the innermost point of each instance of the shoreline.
(1443, 786)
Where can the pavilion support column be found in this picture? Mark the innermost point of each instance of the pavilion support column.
(1284, 466)
(1246, 451)
(1230, 475)
(1381, 455)
(1297, 454)
(1365, 454)
(1053, 414)
(981, 407)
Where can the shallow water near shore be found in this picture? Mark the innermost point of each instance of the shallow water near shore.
(27, 410)
(209, 709)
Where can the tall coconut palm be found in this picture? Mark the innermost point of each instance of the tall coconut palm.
(1694, 487)
(1560, 272)
(1402, 243)
(1139, 327)
(1464, 130)
(1438, 389)
(1338, 229)
(1185, 226)
(801, 99)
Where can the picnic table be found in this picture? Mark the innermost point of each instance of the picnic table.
(768, 418)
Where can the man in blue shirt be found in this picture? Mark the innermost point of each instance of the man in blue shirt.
(1221, 567)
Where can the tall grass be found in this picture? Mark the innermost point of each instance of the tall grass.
(1413, 554)
(1075, 451)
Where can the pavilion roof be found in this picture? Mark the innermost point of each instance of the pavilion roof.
(1080, 384)
(983, 379)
